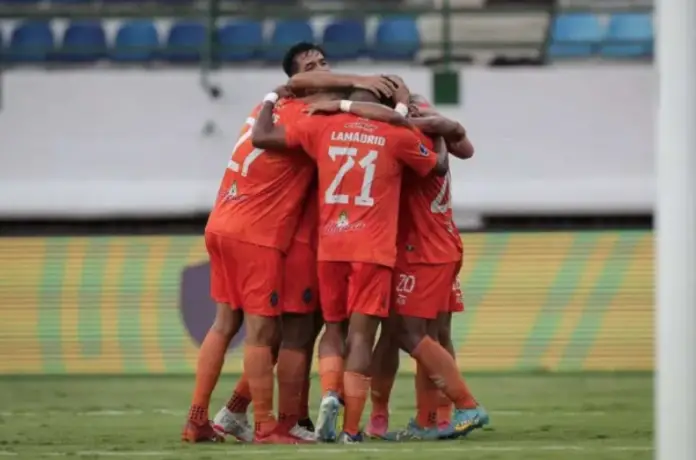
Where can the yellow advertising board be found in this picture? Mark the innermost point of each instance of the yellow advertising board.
(551, 301)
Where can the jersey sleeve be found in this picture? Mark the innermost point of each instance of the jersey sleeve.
(414, 154)
(300, 135)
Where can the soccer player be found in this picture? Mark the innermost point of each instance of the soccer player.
(248, 232)
(301, 324)
(360, 165)
(429, 261)
(386, 358)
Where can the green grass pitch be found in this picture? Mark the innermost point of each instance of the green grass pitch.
(534, 416)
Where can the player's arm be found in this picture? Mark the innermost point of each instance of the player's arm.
(266, 135)
(411, 151)
(368, 110)
(452, 131)
(317, 81)
(459, 144)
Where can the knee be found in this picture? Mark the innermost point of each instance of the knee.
(227, 321)
(444, 335)
(359, 354)
(263, 331)
(410, 336)
(298, 332)
(331, 342)
(408, 340)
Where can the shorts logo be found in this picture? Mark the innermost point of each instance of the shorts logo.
(307, 296)
(424, 150)
(274, 299)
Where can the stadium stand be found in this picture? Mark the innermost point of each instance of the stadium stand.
(240, 41)
(136, 41)
(176, 31)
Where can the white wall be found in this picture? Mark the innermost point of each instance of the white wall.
(129, 142)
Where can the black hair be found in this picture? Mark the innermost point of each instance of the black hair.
(289, 64)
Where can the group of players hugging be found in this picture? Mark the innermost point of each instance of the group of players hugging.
(334, 212)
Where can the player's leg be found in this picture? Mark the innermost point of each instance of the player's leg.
(232, 418)
(444, 337)
(385, 364)
(211, 355)
(257, 288)
(305, 419)
(434, 359)
(368, 304)
(333, 293)
(292, 372)
(299, 305)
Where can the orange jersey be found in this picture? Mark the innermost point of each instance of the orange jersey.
(307, 227)
(261, 196)
(427, 234)
(360, 166)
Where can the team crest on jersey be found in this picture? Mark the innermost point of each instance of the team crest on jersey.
(232, 193)
(424, 150)
(343, 221)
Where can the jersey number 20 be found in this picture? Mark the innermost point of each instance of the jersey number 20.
(368, 166)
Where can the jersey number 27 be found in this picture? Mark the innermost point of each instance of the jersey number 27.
(367, 163)
(251, 156)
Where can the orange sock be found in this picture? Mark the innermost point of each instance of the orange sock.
(356, 387)
(331, 374)
(292, 367)
(380, 391)
(444, 409)
(426, 398)
(241, 397)
(258, 366)
(211, 356)
(443, 370)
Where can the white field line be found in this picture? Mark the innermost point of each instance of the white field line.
(326, 451)
(179, 413)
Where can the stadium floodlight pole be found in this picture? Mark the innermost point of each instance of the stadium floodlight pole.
(675, 272)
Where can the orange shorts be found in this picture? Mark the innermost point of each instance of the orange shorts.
(300, 284)
(423, 290)
(353, 287)
(245, 275)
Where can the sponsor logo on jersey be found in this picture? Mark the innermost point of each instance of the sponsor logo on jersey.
(361, 124)
(343, 224)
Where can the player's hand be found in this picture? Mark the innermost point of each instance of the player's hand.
(378, 85)
(401, 93)
(323, 107)
(283, 91)
(414, 111)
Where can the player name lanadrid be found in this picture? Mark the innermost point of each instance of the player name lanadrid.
(359, 138)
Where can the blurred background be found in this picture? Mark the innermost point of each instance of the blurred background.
(117, 118)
